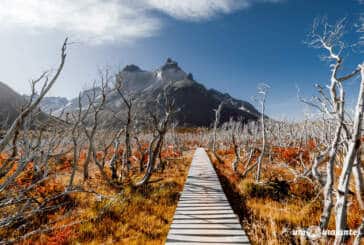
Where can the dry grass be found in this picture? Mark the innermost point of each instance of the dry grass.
(271, 209)
(137, 215)
(127, 216)
(268, 210)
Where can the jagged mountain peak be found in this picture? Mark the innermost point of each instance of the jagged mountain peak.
(170, 64)
(197, 103)
(190, 76)
(132, 68)
(170, 72)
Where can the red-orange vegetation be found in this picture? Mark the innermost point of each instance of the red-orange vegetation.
(293, 155)
(281, 201)
(61, 236)
(131, 216)
(170, 152)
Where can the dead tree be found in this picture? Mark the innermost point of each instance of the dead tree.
(160, 127)
(76, 136)
(216, 124)
(96, 105)
(236, 152)
(142, 152)
(334, 104)
(261, 98)
(13, 132)
(33, 104)
(128, 101)
(76, 152)
(359, 181)
(329, 38)
(115, 157)
(235, 132)
(175, 138)
(350, 158)
(358, 237)
(34, 143)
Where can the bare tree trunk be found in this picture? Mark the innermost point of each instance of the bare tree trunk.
(351, 155)
(87, 163)
(33, 104)
(328, 187)
(237, 153)
(115, 156)
(161, 126)
(162, 164)
(360, 234)
(216, 124)
(127, 151)
(338, 103)
(74, 168)
(114, 162)
(153, 152)
(142, 154)
(96, 108)
(76, 154)
(263, 92)
(358, 179)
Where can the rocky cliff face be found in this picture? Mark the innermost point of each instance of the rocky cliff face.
(195, 101)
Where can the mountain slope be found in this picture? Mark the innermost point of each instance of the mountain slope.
(10, 104)
(196, 103)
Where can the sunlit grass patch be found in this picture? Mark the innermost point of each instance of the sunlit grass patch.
(135, 215)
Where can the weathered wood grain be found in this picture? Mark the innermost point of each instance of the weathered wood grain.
(203, 214)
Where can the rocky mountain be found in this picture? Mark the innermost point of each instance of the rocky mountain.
(10, 104)
(51, 104)
(195, 101)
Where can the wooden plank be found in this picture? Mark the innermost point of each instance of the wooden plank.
(205, 216)
(203, 202)
(201, 195)
(211, 205)
(204, 225)
(209, 208)
(223, 204)
(207, 231)
(198, 243)
(206, 221)
(193, 212)
(207, 239)
(203, 213)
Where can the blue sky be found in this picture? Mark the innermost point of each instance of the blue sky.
(229, 45)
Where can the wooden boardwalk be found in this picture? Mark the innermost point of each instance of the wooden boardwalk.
(203, 214)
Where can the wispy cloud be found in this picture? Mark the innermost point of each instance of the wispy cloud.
(193, 10)
(110, 20)
(102, 20)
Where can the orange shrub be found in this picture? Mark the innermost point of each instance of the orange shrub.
(304, 189)
(60, 237)
(225, 152)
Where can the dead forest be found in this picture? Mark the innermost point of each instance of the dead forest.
(73, 178)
